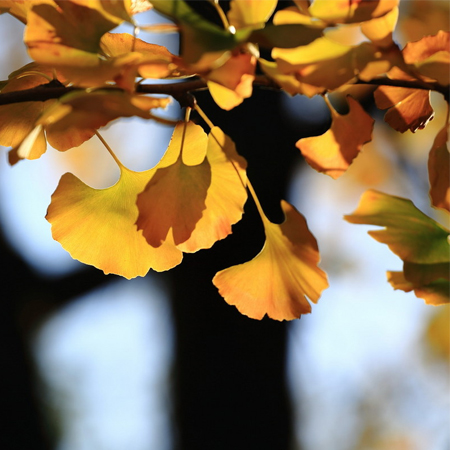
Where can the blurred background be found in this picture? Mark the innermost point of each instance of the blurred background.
(93, 362)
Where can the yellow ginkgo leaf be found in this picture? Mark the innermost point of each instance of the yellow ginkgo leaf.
(97, 226)
(277, 281)
(345, 11)
(231, 83)
(334, 151)
(196, 193)
(250, 13)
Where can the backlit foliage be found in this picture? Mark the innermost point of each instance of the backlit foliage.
(84, 76)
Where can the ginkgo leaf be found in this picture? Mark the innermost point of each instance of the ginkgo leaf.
(323, 63)
(345, 11)
(54, 35)
(202, 42)
(77, 115)
(408, 109)
(435, 293)
(250, 13)
(430, 56)
(277, 281)
(418, 240)
(17, 8)
(380, 29)
(288, 82)
(18, 120)
(153, 61)
(196, 193)
(334, 151)
(97, 226)
(439, 171)
(409, 233)
(232, 82)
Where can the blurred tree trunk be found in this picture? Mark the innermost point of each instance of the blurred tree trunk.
(231, 390)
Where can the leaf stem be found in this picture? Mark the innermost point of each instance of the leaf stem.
(121, 166)
(246, 184)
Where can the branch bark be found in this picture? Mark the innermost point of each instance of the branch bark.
(179, 90)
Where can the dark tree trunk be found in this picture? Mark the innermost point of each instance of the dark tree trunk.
(230, 377)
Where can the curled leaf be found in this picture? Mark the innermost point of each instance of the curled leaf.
(277, 281)
(334, 151)
(96, 226)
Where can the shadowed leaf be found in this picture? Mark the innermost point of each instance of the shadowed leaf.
(195, 194)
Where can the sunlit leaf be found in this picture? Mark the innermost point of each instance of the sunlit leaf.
(437, 334)
(333, 152)
(54, 35)
(430, 56)
(288, 82)
(408, 232)
(150, 60)
(277, 281)
(18, 120)
(250, 13)
(97, 226)
(17, 8)
(323, 63)
(76, 117)
(231, 83)
(439, 171)
(379, 30)
(408, 109)
(196, 193)
(345, 11)
(418, 240)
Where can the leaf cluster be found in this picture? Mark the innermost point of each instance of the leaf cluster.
(84, 76)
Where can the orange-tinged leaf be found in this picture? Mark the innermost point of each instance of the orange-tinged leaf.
(250, 13)
(231, 83)
(408, 109)
(196, 193)
(288, 82)
(430, 56)
(439, 171)
(379, 30)
(17, 8)
(277, 281)
(76, 117)
(18, 120)
(151, 60)
(97, 226)
(333, 152)
(435, 293)
(350, 11)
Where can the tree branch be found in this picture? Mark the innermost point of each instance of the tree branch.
(180, 90)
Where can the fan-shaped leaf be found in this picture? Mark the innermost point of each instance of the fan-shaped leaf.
(277, 281)
(334, 151)
(196, 193)
(97, 226)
